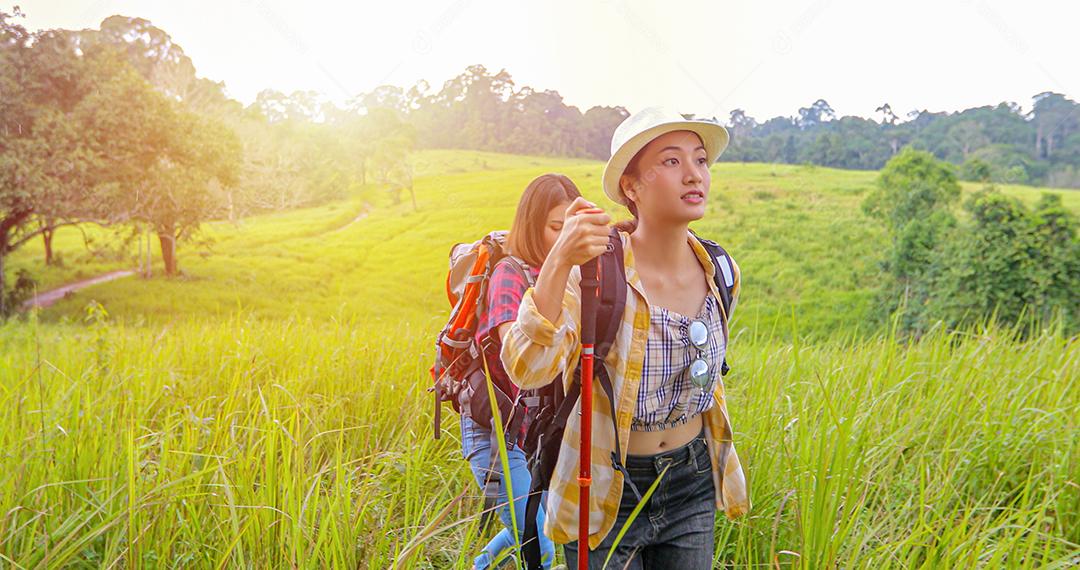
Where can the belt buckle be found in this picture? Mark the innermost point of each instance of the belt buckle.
(662, 462)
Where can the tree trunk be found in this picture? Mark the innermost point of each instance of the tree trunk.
(149, 256)
(168, 251)
(47, 236)
(3, 286)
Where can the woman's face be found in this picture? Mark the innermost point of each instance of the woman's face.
(672, 181)
(553, 225)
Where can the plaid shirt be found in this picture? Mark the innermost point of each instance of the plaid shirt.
(505, 289)
(536, 350)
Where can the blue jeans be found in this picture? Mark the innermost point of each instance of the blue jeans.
(476, 446)
(675, 528)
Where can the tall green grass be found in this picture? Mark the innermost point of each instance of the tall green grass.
(243, 442)
(268, 409)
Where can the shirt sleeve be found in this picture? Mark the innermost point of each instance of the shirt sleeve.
(536, 350)
(506, 288)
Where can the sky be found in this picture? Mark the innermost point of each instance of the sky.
(767, 57)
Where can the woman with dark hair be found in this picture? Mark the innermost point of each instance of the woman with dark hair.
(664, 365)
(537, 223)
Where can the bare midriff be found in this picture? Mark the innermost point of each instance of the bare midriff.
(653, 442)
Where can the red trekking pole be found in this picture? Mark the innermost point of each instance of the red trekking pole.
(590, 287)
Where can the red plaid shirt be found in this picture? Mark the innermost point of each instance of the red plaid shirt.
(505, 290)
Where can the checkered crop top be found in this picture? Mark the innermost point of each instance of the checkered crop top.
(667, 398)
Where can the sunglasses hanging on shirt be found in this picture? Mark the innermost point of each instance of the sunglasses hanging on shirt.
(699, 368)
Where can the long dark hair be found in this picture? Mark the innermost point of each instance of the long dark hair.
(526, 238)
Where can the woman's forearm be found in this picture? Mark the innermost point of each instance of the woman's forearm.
(551, 286)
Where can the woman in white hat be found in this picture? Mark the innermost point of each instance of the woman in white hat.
(664, 365)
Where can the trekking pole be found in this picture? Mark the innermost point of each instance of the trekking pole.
(590, 286)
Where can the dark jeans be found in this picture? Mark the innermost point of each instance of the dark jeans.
(675, 528)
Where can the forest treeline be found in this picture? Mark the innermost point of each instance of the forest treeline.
(484, 110)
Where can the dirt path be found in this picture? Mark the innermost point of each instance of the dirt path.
(363, 214)
(53, 295)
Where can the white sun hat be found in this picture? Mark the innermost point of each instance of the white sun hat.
(642, 127)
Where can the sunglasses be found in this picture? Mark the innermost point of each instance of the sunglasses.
(699, 368)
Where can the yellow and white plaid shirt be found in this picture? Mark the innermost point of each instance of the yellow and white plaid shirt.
(535, 351)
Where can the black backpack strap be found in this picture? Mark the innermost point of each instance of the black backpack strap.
(609, 319)
(530, 541)
(492, 480)
(724, 277)
(612, 295)
(616, 455)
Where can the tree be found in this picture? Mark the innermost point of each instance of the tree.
(977, 170)
(912, 185)
(17, 198)
(166, 166)
(172, 160)
(887, 115)
(300, 106)
(968, 136)
(1006, 164)
(203, 157)
(1011, 261)
(45, 165)
(1055, 118)
(392, 166)
(912, 197)
(382, 97)
(600, 123)
(742, 125)
(161, 61)
(818, 112)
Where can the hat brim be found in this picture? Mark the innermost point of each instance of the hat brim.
(713, 136)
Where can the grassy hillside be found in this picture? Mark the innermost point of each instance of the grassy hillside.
(807, 252)
(269, 409)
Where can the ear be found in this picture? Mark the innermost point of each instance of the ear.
(626, 184)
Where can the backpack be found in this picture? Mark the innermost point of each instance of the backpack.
(547, 408)
(458, 373)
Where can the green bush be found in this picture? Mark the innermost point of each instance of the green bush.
(1011, 260)
(19, 292)
(912, 185)
(1015, 264)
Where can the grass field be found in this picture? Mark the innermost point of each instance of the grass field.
(268, 408)
(797, 231)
